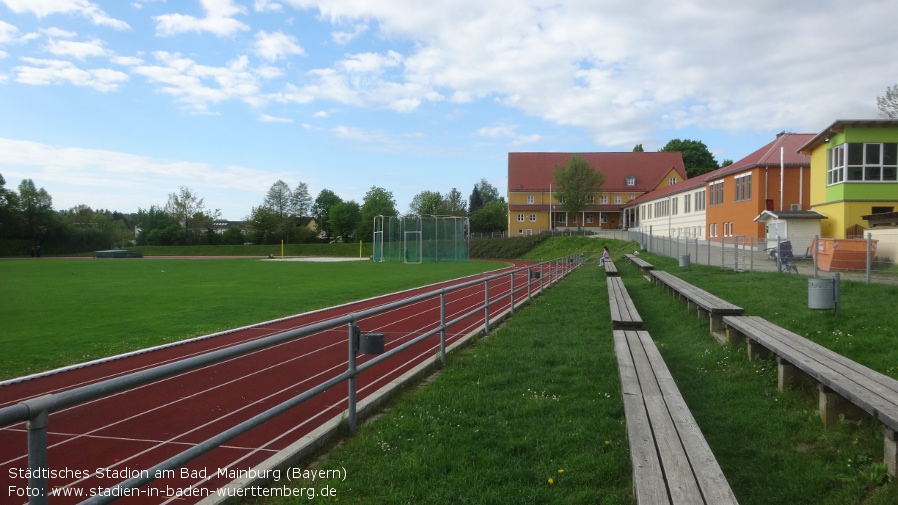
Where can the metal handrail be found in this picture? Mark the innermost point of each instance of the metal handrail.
(36, 411)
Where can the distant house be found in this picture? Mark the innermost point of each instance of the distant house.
(854, 172)
(533, 204)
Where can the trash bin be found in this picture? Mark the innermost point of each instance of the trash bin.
(820, 294)
(534, 274)
(684, 260)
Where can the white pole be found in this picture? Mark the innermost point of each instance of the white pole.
(782, 173)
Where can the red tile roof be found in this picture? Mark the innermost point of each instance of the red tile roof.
(767, 156)
(533, 171)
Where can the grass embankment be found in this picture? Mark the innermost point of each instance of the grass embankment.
(57, 312)
(541, 395)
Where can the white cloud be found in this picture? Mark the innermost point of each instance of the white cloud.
(267, 6)
(344, 38)
(124, 181)
(508, 132)
(42, 72)
(265, 118)
(622, 72)
(275, 46)
(8, 32)
(79, 50)
(197, 85)
(44, 8)
(219, 20)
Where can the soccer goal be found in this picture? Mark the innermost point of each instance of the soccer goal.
(420, 239)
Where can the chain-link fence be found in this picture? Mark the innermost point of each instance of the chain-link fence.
(869, 259)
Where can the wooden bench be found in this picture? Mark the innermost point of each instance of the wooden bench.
(610, 268)
(702, 301)
(639, 263)
(672, 462)
(623, 312)
(845, 386)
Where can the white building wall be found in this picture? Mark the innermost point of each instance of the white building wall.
(669, 218)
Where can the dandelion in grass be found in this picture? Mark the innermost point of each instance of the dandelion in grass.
(551, 481)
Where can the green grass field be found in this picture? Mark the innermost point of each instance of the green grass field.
(58, 312)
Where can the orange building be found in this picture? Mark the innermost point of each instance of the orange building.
(776, 177)
(533, 205)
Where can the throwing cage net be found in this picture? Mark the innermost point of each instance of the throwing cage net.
(420, 239)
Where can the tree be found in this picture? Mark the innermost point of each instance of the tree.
(183, 205)
(576, 183)
(488, 192)
(490, 218)
(454, 204)
(475, 201)
(426, 203)
(377, 202)
(696, 157)
(638, 149)
(279, 198)
(301, 201)
(321, 210)
(8, 215)
(263, 226)
(36, 207)
(344, 218)
(888, 103)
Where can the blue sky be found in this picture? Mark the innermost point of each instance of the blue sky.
(116, 104)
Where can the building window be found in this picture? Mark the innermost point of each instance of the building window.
(858, 162)
(532, 217)
(631, 181)
(589, 219)
(715, 195)
(672, 181)
(700, 200)
(530, 199)
(591, 199)
(687, 203)
(617, 199)
(603, 219)
(520, 218)
(631, 197)
(560, 218)
(603, 199)
(673, 205)
(742, 187)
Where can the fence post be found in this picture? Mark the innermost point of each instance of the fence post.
(443, 327)
(486, 306)
(37, 458)
(779, 263)
(869, 255)
(351, 414)
(723, 249)
(814, 252)
(511, 293)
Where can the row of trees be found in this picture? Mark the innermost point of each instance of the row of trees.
(283, 213)
(28, 221)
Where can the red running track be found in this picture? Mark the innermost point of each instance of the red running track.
(95, 445)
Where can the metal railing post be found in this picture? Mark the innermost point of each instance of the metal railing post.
(443, 327)
(511, 293)
(486, 306)
(815, 251)
(37, 459)
(351, 414)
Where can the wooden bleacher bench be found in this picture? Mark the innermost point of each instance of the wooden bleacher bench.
(699, 299)
(672, 462)
(623, 312)
(639, 263)
(610, 269)
(845, 386)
